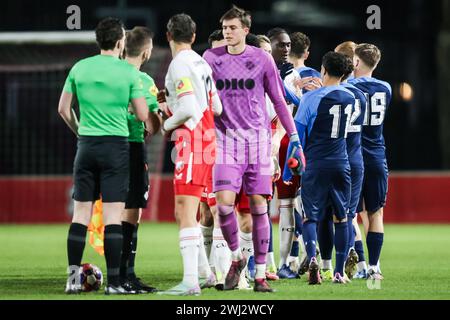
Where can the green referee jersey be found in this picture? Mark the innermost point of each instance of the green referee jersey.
(104, 86)
(135, 126)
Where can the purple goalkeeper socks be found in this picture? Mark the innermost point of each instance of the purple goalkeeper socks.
(228, 225)
(260, 232)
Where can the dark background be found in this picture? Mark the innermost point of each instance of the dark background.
(411, 40)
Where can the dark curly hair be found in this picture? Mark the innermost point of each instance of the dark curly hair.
(337, 65)
(108, 32)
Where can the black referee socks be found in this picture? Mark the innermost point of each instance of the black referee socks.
(76, 240)
(113, 248)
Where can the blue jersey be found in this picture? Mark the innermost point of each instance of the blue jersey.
(354, 128)
(308, 72)
(378, 94)
(321, 120)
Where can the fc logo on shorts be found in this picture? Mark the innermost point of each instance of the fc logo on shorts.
(179, 166)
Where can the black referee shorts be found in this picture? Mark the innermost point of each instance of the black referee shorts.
(139, 183)
(101, 167)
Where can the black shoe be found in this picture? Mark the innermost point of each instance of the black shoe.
(142, 287)
(129, 287)
(219, 286)
(303, 266)
(113, 290)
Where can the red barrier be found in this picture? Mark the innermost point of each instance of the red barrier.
(418, 198)
(412, 198)
(35, 199)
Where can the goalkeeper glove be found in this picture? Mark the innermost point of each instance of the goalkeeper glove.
(295, 159)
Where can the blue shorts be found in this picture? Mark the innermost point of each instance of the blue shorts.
(324, 187)
(357, 176)
(375, 187)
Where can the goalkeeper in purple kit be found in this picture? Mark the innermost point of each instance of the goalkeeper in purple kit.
(243, 75)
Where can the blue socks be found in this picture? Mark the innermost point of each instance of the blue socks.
(374, 243)
(341, 245)
(360, 250)
(325, 234)
(310, 238)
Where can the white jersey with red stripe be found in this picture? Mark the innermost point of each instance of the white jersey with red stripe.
(190, 74)
(191, 94)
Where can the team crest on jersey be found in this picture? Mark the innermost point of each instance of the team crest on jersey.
(183, 86)
(153, 90)
(179, 166)
(250, 65)
(180, 85)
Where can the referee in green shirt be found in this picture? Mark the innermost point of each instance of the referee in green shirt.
(104, 86)
(138, 50)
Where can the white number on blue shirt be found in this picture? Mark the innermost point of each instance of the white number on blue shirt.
(355, 115)
(375, 110)
(336, 112)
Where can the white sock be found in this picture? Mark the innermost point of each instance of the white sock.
(189, 247)
(375, 268)
(207, 233)
(362, 266)
(204, 270)
(246, 243)
(260, 271)
(236, 254)
(270, 260)
(326, 264)
(211, 258)
(287, 228)
(302, 247)
(378, 266)
(221, 254)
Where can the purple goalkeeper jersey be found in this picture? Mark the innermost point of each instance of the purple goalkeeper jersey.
(242, 81)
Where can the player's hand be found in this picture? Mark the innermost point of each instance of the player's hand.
(301, 83)
(276, 170)
(161, 96)
(163, 110)
(295, 151)
(286, 69)
(314, 84)
(146, 134)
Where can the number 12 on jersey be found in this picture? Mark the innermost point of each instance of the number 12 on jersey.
(335, 111)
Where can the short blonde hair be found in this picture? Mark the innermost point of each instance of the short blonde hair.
(346, 48)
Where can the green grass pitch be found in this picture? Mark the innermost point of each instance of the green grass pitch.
(415, 263)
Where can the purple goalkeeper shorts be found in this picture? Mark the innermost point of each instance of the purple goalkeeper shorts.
(253, 173)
